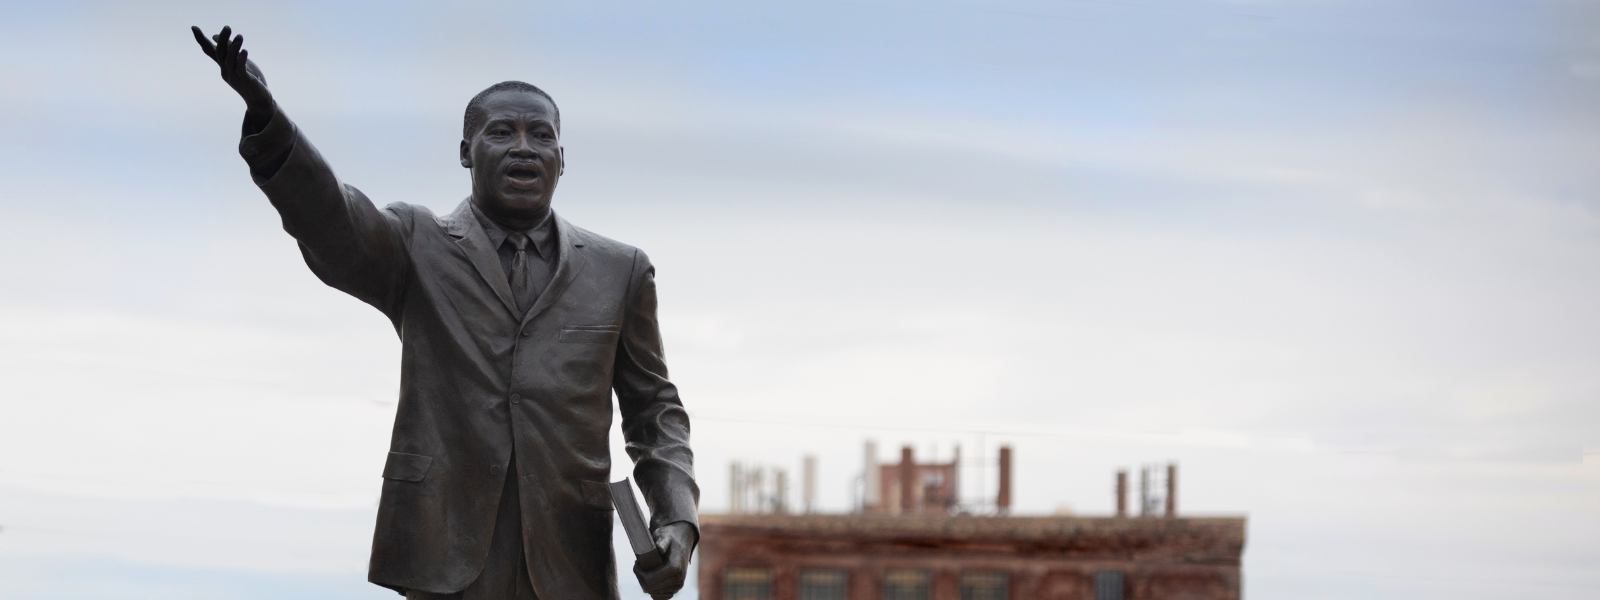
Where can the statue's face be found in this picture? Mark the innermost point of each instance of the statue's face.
(515, 157)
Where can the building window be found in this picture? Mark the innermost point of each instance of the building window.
(985, 585)
(823, 584)
(906, 584)
(1108, 585)
(747, 584)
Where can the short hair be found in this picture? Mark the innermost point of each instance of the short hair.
(475, 115)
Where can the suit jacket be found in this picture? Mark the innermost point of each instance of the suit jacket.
(480, 382)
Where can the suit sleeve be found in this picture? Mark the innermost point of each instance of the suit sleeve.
(348, 242)
(654, 423)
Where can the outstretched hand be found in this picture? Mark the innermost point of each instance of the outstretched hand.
(241, 74)
(675, 542)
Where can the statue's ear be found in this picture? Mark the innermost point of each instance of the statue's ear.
(466, 154)
(561, 154)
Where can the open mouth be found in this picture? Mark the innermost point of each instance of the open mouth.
(523, 174)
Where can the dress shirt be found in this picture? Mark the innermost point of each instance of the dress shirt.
(541, 248)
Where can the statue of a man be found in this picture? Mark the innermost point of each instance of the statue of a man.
(516, 327)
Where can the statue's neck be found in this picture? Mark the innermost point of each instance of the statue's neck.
(513, 220)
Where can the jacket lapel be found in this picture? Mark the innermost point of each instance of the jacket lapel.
(463, 226)
(570, 261)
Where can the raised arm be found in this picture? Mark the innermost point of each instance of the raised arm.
(347, 241)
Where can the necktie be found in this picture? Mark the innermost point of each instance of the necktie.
(522, 289)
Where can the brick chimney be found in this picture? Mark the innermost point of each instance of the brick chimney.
(1172, 490)
(872, 497)
(908, 481)
(1002, 500)
(1122, 492)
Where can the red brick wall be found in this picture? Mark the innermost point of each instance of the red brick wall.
(1048, 559)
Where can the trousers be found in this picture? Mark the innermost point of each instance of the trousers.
(505, 571)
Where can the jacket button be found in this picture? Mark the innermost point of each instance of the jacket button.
(515, 398)
(495, 469)
(527, 332)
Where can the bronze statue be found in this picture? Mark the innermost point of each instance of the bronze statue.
(516, 328)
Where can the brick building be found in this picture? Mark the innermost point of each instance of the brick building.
(928, 545)
(938, 557)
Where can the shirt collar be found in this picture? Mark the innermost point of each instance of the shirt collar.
(542, 235)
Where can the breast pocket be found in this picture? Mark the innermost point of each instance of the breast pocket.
(406, 467)
(589, 334)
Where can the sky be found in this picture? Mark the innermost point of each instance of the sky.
(1338, 260)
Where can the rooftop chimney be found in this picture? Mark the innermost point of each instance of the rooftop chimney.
(1145, 493)
(735, 488)
(955, 475)
(1122, 492)
(908, 480)
(1002, 500)
(1172, 490)
(808, 483)
(780, 491)
(871, 494)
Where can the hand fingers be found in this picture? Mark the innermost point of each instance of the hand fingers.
(235, 68)
(205, 45)
(224, 57)
(241, 69)
(230, 55)
(659, 586)
(222, 51)
(675, 552)
(662, 589)
(223, 38)
(238, 57)
(244, 64)
(669, 577)
(665, 578)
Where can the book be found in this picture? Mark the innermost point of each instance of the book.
(644, 544)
